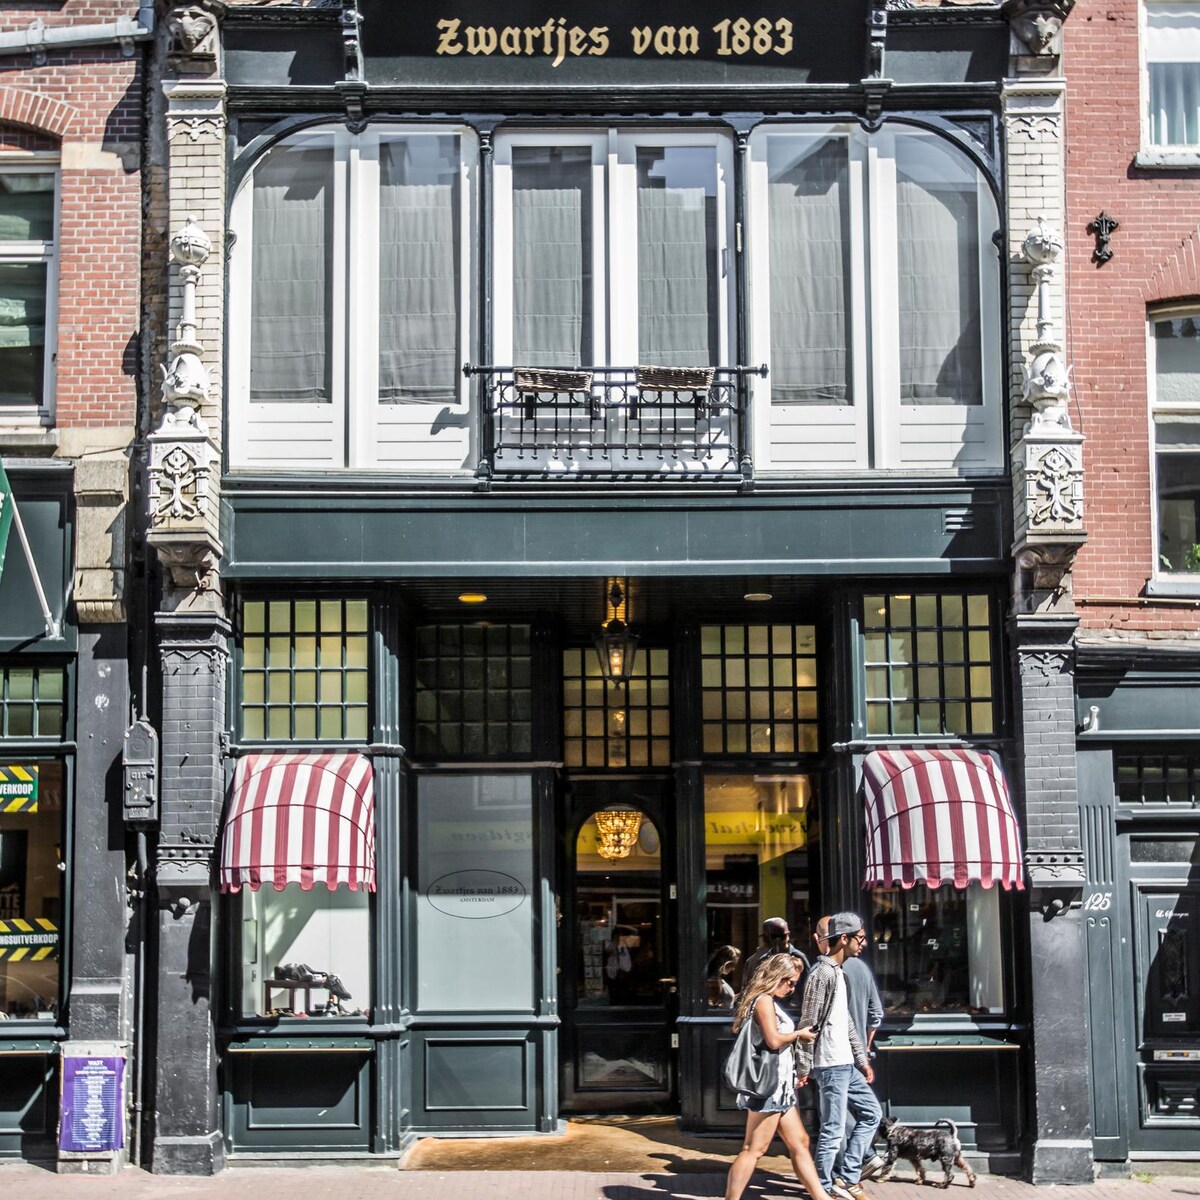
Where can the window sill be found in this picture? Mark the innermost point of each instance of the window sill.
(1188, 589)
(27, 440)
(1168, 159)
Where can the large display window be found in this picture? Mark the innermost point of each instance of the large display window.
(31, 888)
(760, 840)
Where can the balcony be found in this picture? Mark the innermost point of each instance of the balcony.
(632, 423)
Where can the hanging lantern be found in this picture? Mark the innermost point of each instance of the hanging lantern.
(616, 646)
(618, 829)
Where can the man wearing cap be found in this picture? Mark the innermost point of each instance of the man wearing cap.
(866, 1011)
(837, 1062)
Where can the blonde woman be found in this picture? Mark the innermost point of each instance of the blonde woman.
(760, 1002)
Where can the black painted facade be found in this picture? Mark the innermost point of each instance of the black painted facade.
(542, 549)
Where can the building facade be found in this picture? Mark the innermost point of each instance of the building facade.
(1133, 203)
(71, 364)
(599, 463)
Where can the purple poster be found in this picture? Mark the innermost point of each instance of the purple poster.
(92, 1117)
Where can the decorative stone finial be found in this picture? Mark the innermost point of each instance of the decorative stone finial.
(191, 246)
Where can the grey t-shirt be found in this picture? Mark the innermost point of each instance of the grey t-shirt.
(866, 1008)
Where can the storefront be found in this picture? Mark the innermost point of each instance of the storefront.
(536, 339)
(37, 786)
(521, 911)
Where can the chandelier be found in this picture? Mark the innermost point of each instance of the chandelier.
(616, 645)
(618, 829)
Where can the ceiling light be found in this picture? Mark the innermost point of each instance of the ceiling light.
(472, 598)
(757, 596)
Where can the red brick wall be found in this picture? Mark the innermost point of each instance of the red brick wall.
(89, 101)
(1158, 212)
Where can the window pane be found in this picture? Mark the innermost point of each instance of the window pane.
(22, 332)
(677, 256)
(938, 949)
(552, 255)
(475, 860)
(31, 892)
(1177, 361)
(27, 207)
(1178, 509)
(419, 270)
(759, 862)
(321, 936)
(809, 233)
(291, 276)
(937, 223)
(1175, 101)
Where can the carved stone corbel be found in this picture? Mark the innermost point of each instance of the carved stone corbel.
(194, 32)
(1036, 28)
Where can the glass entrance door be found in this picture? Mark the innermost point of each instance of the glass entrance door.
(618, 976)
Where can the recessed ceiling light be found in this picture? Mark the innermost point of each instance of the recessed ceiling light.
(757, 596)
(472, 598)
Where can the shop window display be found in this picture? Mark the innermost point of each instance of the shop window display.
(760, 840)
(938, 950)
(31, 824)
(306, 953)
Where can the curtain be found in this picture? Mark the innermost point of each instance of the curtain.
(291, 277)
(809, 236)
(1175, 104)
(420, 270)
(552, 259)
(677, 256)
(22, 333)
(937, 228)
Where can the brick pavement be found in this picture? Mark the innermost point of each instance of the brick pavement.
(374, 1182)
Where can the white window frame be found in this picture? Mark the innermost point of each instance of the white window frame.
(614, 236)
(1168, 582)
(353, 430)
(1152, 154)
(44, 252)
(876, 431)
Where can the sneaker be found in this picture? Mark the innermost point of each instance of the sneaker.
(854, 1191)
(872, 1167)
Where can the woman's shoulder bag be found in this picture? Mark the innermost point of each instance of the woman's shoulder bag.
(751, 1069)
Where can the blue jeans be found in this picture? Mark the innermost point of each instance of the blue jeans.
(843, 1090)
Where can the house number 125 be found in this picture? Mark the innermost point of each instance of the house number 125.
(1098, 902)
(743, 36)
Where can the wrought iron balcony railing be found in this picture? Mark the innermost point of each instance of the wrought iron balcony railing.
(614, 421)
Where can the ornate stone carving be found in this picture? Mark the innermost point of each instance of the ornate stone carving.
(1036, 24)
(195, 128)
(1043, 580)
(183, 454)
(193, 33)
(1047, 663)
(1056, 868)
(1056, 489)
(1036, 127)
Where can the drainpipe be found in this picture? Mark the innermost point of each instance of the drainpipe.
(39, 38)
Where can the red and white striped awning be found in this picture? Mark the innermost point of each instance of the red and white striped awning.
(300, 818)
(939, 816)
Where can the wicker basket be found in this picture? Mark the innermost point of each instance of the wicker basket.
(532, 379)
(675, 379)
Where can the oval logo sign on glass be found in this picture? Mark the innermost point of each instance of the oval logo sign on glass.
(476, 895)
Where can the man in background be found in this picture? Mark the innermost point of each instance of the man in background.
(776, 939)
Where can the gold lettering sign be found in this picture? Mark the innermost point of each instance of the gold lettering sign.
(556, 40)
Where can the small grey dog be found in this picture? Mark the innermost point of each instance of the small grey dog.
(939, 1144)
